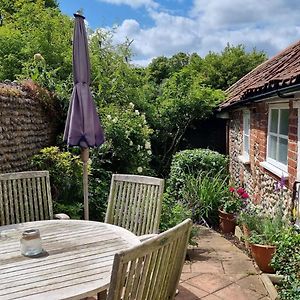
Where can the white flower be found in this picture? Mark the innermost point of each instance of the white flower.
(38, 56)
(147, 145)
(140, 169)
(130, 143)
(138, 147)
(115, 120)
(149, 152)
(109, 117)
(131, 105)
(137, 112)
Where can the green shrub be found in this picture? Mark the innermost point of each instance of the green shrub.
(175, 213)
(286, 261)
(127, 145)
(203, 194)
(99, 184)
(186, 166)
(191, 162)
(66, 179)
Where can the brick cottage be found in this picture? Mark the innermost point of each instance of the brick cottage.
(263, 138)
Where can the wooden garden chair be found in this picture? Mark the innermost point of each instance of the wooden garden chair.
(134, 203)
(25, 197)
(152, 269)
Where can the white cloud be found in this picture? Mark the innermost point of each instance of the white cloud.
(210, 25)
(134, 3)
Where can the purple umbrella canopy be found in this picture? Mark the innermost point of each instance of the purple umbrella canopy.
(83, 126)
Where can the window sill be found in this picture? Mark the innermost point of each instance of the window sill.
(276, 171)
(244, 160)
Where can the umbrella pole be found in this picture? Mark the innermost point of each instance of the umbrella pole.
(85, 158)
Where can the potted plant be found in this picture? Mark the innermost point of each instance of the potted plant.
(231, 205)
(248, 218)
(264, 239)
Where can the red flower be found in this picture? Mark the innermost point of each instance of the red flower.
(245, 195)
(240, 191)
(231, 189)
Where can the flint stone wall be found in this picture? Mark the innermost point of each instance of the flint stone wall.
(258, 182)
(25, 127)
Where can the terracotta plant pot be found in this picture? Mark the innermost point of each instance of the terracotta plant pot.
(227, 222)
(263, 255)
(246, 232)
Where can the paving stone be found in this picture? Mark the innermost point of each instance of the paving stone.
(253, 282)
(186, 268)
(239, 266)
(186, 276)
(198, 292)
(234, 291)
(219, 270)
(212, 297)
(211, 266)
(209, 282)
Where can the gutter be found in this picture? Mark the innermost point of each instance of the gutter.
(257, 98)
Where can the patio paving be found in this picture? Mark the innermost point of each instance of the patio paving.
(219, 270)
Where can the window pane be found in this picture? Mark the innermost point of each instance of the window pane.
(283, 148)
(246, 144)
(246, 123)
(284, 121)
(272, 147)
(274, 120)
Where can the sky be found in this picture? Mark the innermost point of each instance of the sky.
(166, 27)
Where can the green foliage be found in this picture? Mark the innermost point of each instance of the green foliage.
(171, 217)
(127, 144)
(66, 178)
(267, 230)
(187, 164)
(158, 69)
(203, 193)
(99, 184)
(184, 98)
(175, 213)
(191, 162)
(221, 70)
(113, 80)
(286, 261)
(250, 215)
(32, 27)
(38, 72)
(10, 52)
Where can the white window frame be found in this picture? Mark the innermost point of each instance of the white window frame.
(246, 119)
(282, 167)
(245, 156)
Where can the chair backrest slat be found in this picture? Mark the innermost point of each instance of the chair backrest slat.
(135, 203)
(25, 196)
(152, 269)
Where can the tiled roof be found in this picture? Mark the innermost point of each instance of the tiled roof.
(280, 71)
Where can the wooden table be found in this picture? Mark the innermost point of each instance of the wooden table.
(77, 264)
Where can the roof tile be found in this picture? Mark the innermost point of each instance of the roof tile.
(279, 71)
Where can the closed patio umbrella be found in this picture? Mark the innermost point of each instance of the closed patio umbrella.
(83, 126)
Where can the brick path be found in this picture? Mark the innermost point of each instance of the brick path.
(219, 270)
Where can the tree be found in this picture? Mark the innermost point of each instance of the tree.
(35, 27)
(184, 99)
(224, 69)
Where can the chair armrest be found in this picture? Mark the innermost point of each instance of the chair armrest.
(61, 217)
(146, 237)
